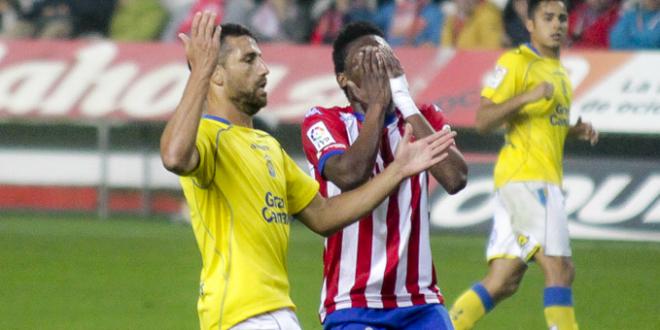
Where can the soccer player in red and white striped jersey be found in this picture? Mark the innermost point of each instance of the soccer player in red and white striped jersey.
(378, 271)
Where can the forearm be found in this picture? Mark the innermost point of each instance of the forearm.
(450, 173)
(355, 166)
(177, 144)
(332, 214)
(493, 115)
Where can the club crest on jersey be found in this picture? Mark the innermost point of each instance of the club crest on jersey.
(269, 165)
(320, 136)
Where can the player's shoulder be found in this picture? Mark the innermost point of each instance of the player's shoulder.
(327, 111)
(519, 56)
(325, 114)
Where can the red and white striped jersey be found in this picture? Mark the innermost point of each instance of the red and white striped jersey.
(383, 260)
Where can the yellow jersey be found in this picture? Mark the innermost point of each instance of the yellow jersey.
(534, 139)
(240, 197)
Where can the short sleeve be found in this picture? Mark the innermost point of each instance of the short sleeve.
(300, 187)
(206, 147)
(433, 115)
(506, 79)
(323, 135)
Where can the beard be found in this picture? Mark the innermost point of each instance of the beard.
(250, 102)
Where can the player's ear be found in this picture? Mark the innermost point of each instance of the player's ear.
(342, 80)
(218, 76)
(529, 24)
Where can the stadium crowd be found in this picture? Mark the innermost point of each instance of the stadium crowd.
(463, 24)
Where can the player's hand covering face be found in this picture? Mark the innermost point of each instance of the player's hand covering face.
(374, 86)
(203, 44)
(392, 63)
(414, 157)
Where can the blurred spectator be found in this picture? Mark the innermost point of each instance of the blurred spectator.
(515, 31)
(589, 23)
(639, 27)
(8, 15)
(238, 11)
(278, 20)
(360, 10)
(216, 6)
(40, 19)
(471, 24)
(91, 18)
(178, 12)
(329, 23)
(138, 20)
(410, 22)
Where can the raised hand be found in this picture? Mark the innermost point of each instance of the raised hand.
(584, 131)
(374, 85)
(203, 44)
(414, 157)
(543, 90)
(392, 64)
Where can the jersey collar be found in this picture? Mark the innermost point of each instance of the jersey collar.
(389, 118)
(216, 118)
(533, 49)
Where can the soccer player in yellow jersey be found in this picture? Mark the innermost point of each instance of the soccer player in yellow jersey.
(242, 187)
(530, 94)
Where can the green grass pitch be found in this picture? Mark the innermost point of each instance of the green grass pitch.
(77, 272)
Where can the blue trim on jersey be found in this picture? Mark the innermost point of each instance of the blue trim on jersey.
(557, 296)
(325, 157)
(485, 297)
(429, 316)
(216, 118)
(542, 199)
(389, 118)
(536, 51)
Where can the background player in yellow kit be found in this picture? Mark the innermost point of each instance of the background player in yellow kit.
(241, 186)
(530, 94)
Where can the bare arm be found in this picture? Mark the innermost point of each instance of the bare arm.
(326, 216)
(450, 173)
(491, 115)
(177, 143)
(354, 167)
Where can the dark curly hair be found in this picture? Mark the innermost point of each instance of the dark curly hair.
(348, 34)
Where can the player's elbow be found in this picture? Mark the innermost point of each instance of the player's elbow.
(482, 126)
(352, 182)
(457, 185)
(326, 232)
(174, 161)
(352, 178)
(320, 226)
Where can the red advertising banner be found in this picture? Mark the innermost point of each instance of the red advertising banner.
(93, 80)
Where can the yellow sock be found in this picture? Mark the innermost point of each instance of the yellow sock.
(559, 312)
(470, 307)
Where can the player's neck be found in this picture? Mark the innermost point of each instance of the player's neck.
(227, 110)
(549, 52)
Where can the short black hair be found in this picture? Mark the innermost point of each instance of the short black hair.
(234, 30)
(230, 30)
(532, 5)
(348, 34)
